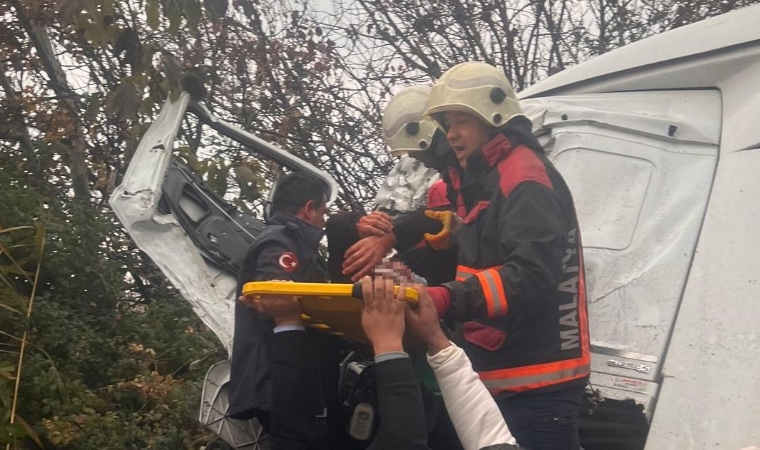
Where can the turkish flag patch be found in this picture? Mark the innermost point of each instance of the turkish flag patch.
(288, 261)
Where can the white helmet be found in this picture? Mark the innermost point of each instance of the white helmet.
(404, 128)
(476, 88)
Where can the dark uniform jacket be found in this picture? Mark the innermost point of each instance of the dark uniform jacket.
(286, 250)
(520, 292)
(402, 418)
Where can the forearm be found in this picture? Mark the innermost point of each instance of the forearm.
(472, 409)
(291, 371)
(402, 416)
(499, 291)
(410, 228)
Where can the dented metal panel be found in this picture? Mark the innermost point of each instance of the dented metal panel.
(640, 166)
(207, 287)
(209, 290)
(710, 394)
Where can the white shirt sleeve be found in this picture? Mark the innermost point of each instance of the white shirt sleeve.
(473, 411)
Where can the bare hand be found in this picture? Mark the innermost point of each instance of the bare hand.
(383, 315)
(424, 323)
(375, 223)
(362, 257)
(283, 309)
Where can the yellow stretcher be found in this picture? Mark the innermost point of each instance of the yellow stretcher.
(333, 308)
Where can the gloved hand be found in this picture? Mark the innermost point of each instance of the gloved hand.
(443, 240)
(375, 223)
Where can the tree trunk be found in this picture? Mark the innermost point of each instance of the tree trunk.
(77, 149)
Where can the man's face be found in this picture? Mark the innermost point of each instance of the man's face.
(466, 133)
(320, 216)
(315, 215)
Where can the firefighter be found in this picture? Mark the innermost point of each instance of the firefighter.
(411, 186)
(519, 297)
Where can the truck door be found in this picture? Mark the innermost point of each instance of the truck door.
(640, 166)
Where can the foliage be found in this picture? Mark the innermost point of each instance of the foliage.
(415, 41)
(102, 371)
(21, 250)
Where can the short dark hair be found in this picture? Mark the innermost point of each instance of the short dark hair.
(295, 190)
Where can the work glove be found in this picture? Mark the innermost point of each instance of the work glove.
(443, 240)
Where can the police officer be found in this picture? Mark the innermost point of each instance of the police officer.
(287, 250)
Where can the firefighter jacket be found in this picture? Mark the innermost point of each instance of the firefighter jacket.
(519, 298)
(287, 249)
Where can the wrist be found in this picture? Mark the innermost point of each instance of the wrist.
(389, 239)
(387, 346)
(437, 343)
(441, 297)
(291, 321)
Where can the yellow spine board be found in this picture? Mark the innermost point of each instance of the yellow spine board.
(327, 307)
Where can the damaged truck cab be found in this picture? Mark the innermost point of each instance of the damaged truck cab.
(659, 142)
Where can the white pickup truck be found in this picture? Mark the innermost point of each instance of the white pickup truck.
(660, 144)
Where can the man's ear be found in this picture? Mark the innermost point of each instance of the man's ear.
(309, 209)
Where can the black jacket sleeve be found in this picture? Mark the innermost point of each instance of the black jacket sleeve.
(402, 415)
(533, 233)
(341, 233)
(410, 228)
(250, 391)
(269, 264)
(292, 412)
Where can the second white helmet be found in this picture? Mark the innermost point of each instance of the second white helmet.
(404, 127)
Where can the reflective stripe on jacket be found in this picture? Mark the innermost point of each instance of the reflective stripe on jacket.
(520, 288)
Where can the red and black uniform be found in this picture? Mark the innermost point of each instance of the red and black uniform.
(520, 287)
(519, 299)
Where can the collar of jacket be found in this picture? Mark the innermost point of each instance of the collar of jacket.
(491, 153)
(482, 160)
(311, 234)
